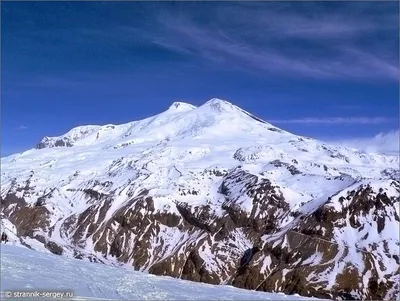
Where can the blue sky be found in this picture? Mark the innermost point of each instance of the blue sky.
(328, 70)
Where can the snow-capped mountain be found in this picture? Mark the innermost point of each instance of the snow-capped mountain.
(212, 194)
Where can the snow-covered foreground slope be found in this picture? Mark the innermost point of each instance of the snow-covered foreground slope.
(212, 194)
(27, 270)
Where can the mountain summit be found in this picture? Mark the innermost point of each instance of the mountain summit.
(181, 106)
(216, 117)
(212, 194)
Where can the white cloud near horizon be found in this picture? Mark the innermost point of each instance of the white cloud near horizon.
(334, 120)
(386, 143)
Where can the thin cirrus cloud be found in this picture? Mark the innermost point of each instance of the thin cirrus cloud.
(22, 127)
(335, 120)
(325, 45)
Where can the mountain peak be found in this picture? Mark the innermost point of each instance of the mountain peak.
(181, 119)
(219, 105)
(181, 106)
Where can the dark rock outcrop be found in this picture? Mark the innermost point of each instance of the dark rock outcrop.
(252, 239)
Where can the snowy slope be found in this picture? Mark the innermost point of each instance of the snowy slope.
(26, 270)
(211, 194)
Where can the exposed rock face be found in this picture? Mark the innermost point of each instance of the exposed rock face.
(252, 242)
(49, 143)
(54, 248)
(260, 217)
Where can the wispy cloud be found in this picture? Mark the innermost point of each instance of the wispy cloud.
(348, 107)
(22, 127)
(335, 120)
(387, 143)
(286, 40)
(335, 40)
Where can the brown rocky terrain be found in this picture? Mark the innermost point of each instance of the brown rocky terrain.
(230, 244)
